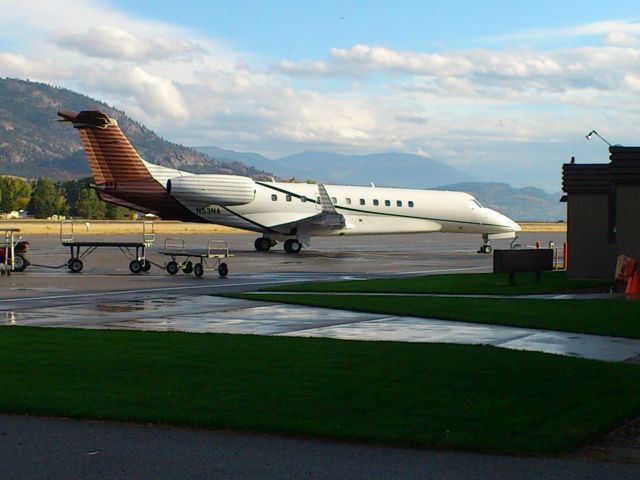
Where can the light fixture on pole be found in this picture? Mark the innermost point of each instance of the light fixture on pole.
(593, 132)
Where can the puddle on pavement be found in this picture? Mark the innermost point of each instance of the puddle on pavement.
(203, 313)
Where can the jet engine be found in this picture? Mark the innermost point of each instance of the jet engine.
(212, 189)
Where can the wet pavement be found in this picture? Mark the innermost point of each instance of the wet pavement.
(212, 314)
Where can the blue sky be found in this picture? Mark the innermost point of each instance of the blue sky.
(505, 90)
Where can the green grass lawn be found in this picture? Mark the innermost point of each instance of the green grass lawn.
(450, 396)
(613, 317)
(472, 283)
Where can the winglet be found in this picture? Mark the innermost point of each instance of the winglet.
(325, 200)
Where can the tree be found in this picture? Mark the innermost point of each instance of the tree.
(72, 189)
(15, 194)
(114, 212)
(89, 205)
(46, 199)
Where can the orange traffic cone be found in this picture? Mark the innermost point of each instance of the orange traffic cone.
(633, 285)
(629, 281)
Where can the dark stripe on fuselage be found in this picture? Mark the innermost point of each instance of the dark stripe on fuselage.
(263, 227)
(357, 210)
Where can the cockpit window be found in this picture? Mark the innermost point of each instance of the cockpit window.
(476, 203)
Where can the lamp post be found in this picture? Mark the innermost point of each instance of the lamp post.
(593, 132)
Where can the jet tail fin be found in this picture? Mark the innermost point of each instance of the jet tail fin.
(111, 157)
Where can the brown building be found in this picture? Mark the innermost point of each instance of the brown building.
(603, 213)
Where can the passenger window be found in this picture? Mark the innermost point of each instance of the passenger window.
(399, 203)
(387, 203)
(376, 203)
(334, 200)
(303, 199)
(348, 201)
(362, 201)
(318, 200)
(410, 204)
(288, 197)
(274, 197)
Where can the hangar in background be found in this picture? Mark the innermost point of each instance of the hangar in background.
(603, 212)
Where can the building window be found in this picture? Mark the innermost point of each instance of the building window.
(274, 197)
(410, 204)
(387, 203)
(399, 203)
(288, 197)
(348, 200)
(376, 203)
(362, 202)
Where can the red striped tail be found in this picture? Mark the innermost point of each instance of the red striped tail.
(112, 159)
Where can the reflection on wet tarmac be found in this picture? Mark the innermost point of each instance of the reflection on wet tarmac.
(203, 313)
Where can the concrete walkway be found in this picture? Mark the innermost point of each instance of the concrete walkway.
(203, 313)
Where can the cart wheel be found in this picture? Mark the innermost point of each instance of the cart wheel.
(19, 263)
(223, 270)
(146, 266)
(75, 265)
(172, 268)
(198, 269)
(135, 266)
(188, 267)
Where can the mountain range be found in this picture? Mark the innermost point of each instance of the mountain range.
(389, 169)
(33, 144)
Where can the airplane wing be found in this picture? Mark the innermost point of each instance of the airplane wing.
(327, 219)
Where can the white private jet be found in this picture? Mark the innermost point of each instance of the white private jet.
(280, 211)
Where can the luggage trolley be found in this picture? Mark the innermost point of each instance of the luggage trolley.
(78, 250)
(216, 251)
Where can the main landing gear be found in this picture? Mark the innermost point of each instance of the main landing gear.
(263, 244)
(485, 247)
(292, 246)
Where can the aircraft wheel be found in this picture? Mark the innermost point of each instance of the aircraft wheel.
(19, 263)
(223, 270)
(172, 268)
(75, 265)
(146, 266)
(188, 267)
(198, 270)
(135, 266)
(488, 249)
(262, 244)
(292, 246)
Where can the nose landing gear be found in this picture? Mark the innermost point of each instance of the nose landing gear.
(485, 247)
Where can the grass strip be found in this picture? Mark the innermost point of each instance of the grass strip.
(453, 396)
(470, 283)
(612, 317)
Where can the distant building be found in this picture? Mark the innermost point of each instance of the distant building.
(14, 214)
(603, 213)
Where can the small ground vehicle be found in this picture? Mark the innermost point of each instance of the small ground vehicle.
(20, 247)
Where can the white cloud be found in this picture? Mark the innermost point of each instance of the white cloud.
(20, 66)
(604, 27)
(471, 107)
(622, 39)
(113, 42)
